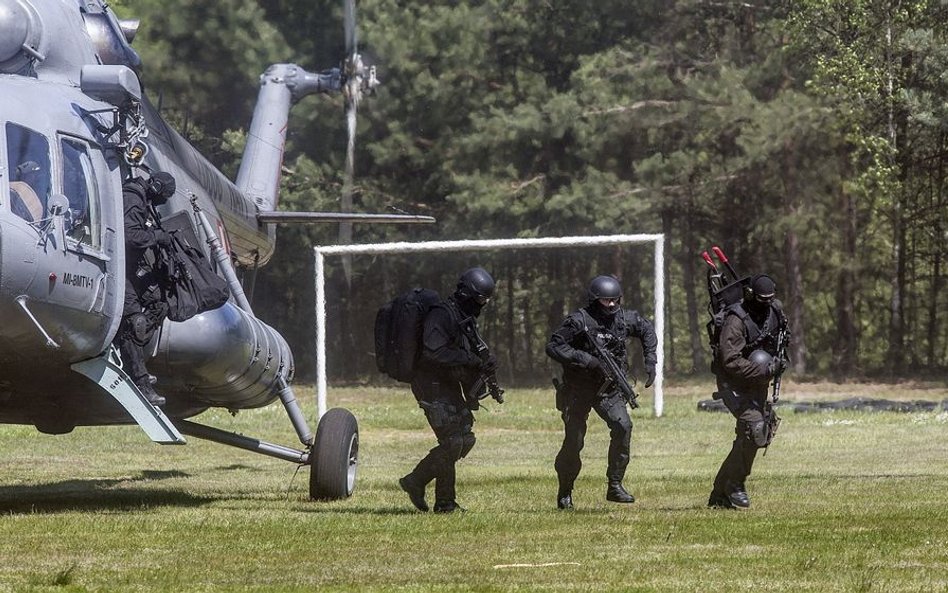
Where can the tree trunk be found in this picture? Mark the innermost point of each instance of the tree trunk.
(845, 349)
(897, 125)
(692, 280)
(938, 208)
(794, 305)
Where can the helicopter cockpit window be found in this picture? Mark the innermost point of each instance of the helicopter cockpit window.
(80, 189)
(29, 169)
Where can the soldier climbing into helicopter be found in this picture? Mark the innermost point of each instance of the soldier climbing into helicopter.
(145, 308)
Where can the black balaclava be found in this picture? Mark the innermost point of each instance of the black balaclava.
(763, 289)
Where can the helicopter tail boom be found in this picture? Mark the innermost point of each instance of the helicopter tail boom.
(280, 86)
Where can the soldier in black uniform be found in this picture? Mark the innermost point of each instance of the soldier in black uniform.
(745, 364)
(447, 361)
(144, 308)
(582, 380)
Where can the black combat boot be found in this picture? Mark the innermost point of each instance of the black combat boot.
(739, 499)
(415, 491)
(144, 386)
(719, 501)
(447, 506)
(564, 500)
(616, 493)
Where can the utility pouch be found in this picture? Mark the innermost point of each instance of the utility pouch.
(731, 400)
(560, 394)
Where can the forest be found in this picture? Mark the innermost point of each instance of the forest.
(807, 138)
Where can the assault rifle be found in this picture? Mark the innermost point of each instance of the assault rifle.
(483, 384)
(614, 377)
(780, 358)
(783, 337)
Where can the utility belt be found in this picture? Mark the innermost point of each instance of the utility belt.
(567, 392)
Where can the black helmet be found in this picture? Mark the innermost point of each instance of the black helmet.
(760, 357)
(476, 284)
(604, 287)
(160, 187)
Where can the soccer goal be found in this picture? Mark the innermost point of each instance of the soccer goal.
(405, 248)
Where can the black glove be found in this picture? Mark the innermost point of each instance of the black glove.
(163, 238)
(650, 376)
(594, 363)
(777, 366)
(489, 365)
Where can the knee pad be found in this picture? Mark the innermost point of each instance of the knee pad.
(454, 445)
(619, 421)
(469, 440)
(136, 328)
(758, 433)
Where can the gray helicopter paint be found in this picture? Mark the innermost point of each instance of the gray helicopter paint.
(75, 291)
(104, 371)
(78, 314)
(225, 357)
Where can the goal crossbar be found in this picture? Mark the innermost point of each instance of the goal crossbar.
(321, 252)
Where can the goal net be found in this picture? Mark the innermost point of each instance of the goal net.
(539, 281)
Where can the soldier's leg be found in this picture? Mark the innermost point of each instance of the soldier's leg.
(731, 467)
(131, 332)
(131, 339)
(143, 313)
(131, 335)
(415, 481)
(616, 416)
(729, 482)
(461, 440)
(756, 433)
(613, 411)
(433, 463)
(568, 462)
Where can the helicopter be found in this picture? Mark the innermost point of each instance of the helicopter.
(74, 125)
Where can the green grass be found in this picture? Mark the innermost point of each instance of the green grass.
(841, 502)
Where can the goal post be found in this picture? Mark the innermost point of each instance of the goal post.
(321, 252)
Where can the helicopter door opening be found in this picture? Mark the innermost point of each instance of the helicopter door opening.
(29, 165)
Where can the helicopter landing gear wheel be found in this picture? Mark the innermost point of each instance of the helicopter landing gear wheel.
(335, 456)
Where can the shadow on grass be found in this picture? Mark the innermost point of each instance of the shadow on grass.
(100, 494)
(238, 466)
(315, 507)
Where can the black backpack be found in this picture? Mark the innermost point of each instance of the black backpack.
(191, 286)
(723, 300)
(399, 324)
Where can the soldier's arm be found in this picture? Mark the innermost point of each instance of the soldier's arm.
(137, 232)
(643, 329)
(560, 346)
(442, 343)
(732, 344)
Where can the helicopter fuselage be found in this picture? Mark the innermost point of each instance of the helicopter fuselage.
(62, 258)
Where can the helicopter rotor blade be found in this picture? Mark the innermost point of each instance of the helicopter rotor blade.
(352, 36)
(285, 217)
(352, 94)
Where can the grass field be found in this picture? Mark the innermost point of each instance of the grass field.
(843, 501)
